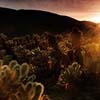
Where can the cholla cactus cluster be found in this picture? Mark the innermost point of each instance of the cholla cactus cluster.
(12, 85)
(70, 74)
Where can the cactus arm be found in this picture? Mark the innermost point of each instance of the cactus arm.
(39, 91)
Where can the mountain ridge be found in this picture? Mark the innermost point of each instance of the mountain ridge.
(36, 21)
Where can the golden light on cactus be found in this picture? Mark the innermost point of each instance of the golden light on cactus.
(13, 75)
(12, 86)
(12, 63)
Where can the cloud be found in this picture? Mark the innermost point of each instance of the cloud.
(79, 9)
(13, 0)
(58, 6)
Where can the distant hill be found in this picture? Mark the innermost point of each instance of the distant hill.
(35, 21)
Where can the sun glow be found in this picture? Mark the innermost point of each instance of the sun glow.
(95, 19)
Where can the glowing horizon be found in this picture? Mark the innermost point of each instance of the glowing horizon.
(77, 9)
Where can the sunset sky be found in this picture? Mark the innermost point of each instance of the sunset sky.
(79, 9)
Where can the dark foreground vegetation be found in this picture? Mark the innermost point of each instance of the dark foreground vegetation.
(49, 67)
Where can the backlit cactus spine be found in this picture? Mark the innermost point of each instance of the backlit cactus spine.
(12, 86)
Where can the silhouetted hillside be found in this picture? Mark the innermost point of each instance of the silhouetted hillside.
(35, 21)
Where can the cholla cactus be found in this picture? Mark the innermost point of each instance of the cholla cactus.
(70, 74)
(12, 63)
(30, 91)
(12, 86)
(36, 92)
(24, 70)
